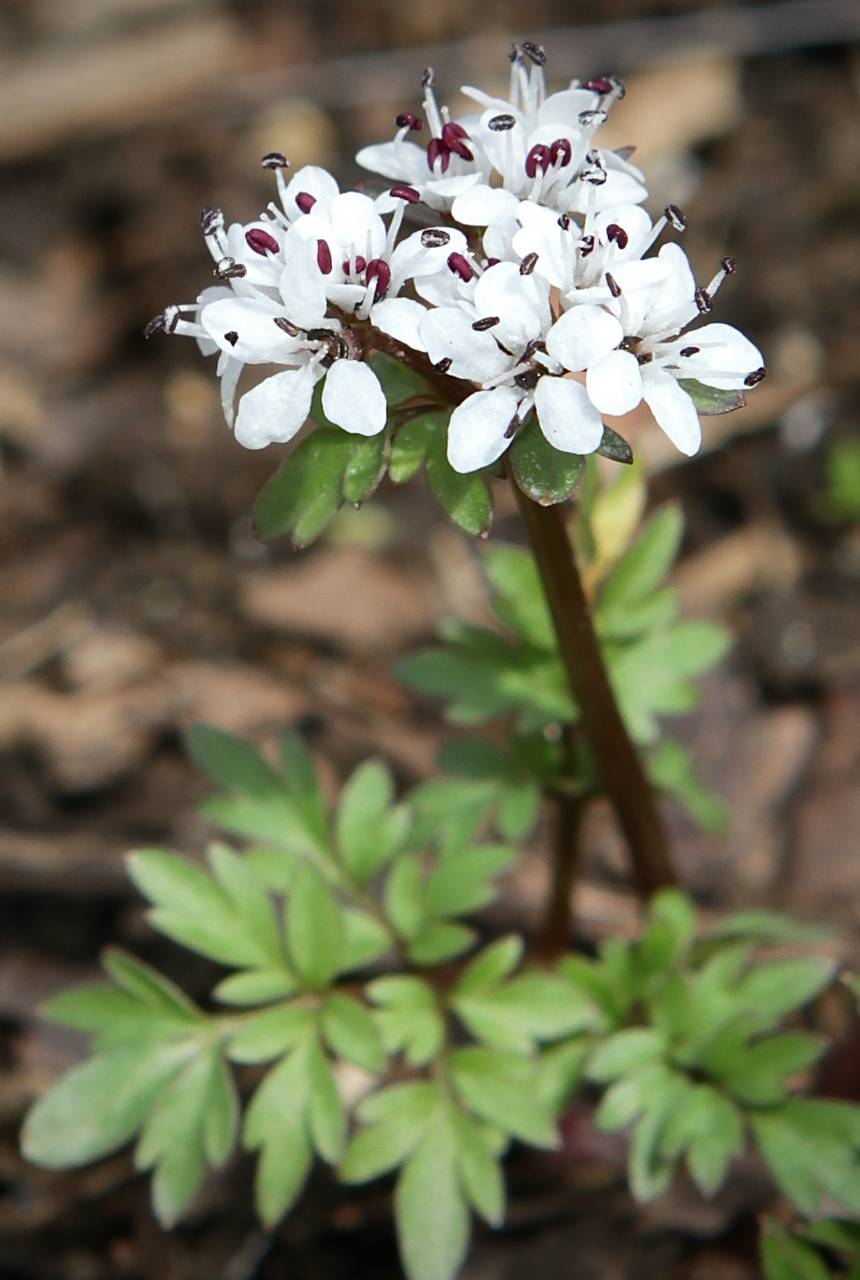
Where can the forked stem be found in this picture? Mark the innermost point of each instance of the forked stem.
(621, 773)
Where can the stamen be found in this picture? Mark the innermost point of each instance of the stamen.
(612, 285)
(288, 327)
(601, 85)
(487, 323)
(229, 269)
(702, 300)
(407, 120)
(645, 357)
(324, 259)
(528, 380)
(409, 194)
(586, 246)
(753, 379)
(461, 267)
(729, 265)
(592, 119)
(593, 171)
(358, 265)
(675, 217)
(528, 264)
(727, 268)
(434, 238)
(155, 325)
(275, 160)
(232, 337)
(442, 366)
(377, 269)
(537, 158)
(454, 137)
(305, 201)
(564, 222)
(560, 152)
(617, 235)
(211, 220)
(501, 123)
(436, 150)
(686, 352)
(261, 242)
(513, 427)
(535, 52)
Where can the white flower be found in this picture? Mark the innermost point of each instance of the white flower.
(633, 347)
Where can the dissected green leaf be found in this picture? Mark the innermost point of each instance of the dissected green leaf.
(409, 1017)
(230, 762)
(495, 1086)
(255, 986)
(671, 768)
(271, 1032)
(784, 1257)
(404, 895)
(430, 1208)
(440, 940)
(624, 1052)
(369, 832)
(812, 1148)
(276, 1125)
(490, 966)
(314, 928)
(352, 1033)
(478, 1167)
(646, 564)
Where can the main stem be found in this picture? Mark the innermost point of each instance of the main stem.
(621, 773)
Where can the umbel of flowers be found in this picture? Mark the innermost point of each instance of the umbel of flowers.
(510, 252)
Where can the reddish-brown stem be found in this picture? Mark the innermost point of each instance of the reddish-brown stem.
(621, 773)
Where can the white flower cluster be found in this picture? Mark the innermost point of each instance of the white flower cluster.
(532, 284)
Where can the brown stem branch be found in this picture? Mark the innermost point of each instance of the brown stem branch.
(621, 773)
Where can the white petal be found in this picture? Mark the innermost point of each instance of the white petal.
(614, 385)
(583, 336)
(564, 107)
(228, 372)
(448, 335)
(301, 283)
(499, 237)
(521, 303)
(672, 408)
(273, 411)
(400, 161)
(540, 233)
(412, 257)
(476, 432)
(353, 399)
(311, 180)
(246, 330)
(724, 358)
(400, 318)
(567, 417)
(482, 205)
(357, 226)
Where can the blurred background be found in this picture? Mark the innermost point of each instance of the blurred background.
(135, 600)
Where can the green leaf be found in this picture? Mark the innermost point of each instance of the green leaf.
(275, 1124)
(255, 986)
(767, 927)
(365, 468)
(624, 1052)
(250, 900)
(710, 1129)
(399, 382)
(533, 1007)
(326, 1112)
(770, 991)
(440, 941)
(303, 789)
(404, 894)
(835, 1233)
(546, 475)
(147, 985)
(671, 768)
(760, 1074)
(479, 1169)
(271, 1032)
(430, 1209)
(314, 928)
(464, 498)
(614, 446)
(95, 1108)
(305, 493)
(630, 1095)
(230, 762)
(461, 881)
(409, 1017)
(497, 1087)
(193, 910)
(560, 1070)
(518, 595)
(812, 1148)
(490, 966)
(648, 1171)
(647, 562)
(409, 447)
(352, 1033)
(653, 676)
(366, 939)
(784, 1257)
(712, 400)
(369, 832)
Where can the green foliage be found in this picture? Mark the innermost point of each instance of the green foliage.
(712, 400)
(841, 497)
(465, 499)
(797, 1256)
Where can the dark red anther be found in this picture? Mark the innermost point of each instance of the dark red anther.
(232, 337)
(686, 352)
(358, 265)
(409, 194)
(407, 120)
(455, 137)
(703, 301)
(443, 365)
(537, 158)
(305, 201)
(675, 217)
(613, 286)
(728, 265)
(600, 84)
(617, 235)
(460, 266)
(261, 241)
(324, 261)
(275, 160)
(436, 150)
(378, 269)
(754, 378)
(486, 323)
(560, 152)
(493, 262)
(434, 238)
(528, 264)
